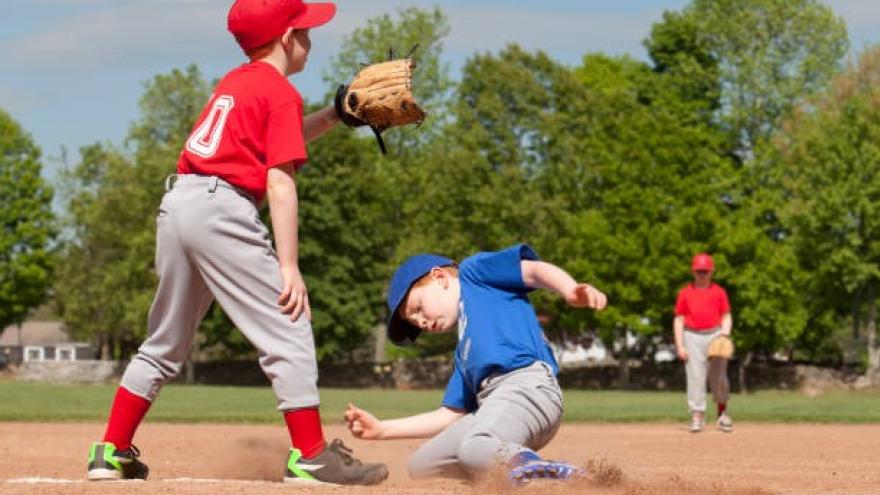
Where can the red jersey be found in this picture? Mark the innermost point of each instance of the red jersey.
(702, 308)
(252, 122)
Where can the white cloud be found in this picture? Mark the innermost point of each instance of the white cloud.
(549, 31)
(16, 101)
(126, 34)
(862, 19)
(477, 29)
(858, 14)
(113, 34)
(566, 36)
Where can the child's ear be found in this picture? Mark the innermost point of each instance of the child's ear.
(287, 39)
(440, 276)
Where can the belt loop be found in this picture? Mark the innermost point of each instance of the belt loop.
(212, 183)
(169, 182)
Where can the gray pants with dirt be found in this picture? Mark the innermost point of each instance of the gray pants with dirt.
(212, 244)
(517, 411)
(699, 366)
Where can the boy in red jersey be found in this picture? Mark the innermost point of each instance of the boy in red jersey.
(244, 148)
(702, 312)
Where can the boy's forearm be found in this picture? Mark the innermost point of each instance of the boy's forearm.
(543, 275)
(283, 210)
(678, 328)
(424, 425)
(726, 324)
(317, 124)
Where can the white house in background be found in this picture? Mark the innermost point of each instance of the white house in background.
(575, 353)
(41, 341)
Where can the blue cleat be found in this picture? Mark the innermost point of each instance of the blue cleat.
(527, 466)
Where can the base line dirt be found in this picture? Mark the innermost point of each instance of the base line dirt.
(623, 459)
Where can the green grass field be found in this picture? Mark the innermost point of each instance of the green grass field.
(25, 401)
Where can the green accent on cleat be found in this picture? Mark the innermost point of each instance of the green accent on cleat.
(107, 451)
(293, 468)
(106, 462)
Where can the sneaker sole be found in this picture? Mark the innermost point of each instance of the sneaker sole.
(548, 472)
(305, 482)
(101, 474)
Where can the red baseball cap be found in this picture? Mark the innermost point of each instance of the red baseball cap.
(702, 261)
(257, 22)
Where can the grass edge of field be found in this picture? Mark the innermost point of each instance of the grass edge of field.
(38, 402)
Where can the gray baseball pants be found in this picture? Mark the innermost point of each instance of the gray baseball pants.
(212, 244)
(517, 411)
(699, 365)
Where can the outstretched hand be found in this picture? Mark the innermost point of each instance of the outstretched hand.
(586, 296)
(362, 424)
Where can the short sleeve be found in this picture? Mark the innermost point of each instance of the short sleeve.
(499, 269)
(723, 303)
(284, 135)
(681, 304)
(457, 395)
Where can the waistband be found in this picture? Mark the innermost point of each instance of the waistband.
(536, 366)
(703, 330)
(210, 182)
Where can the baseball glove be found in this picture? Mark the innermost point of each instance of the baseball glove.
(380, 96)
(721, 347)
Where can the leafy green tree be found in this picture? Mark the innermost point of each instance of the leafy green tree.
(27, 224)
(770, 54)
(830, 153)
(469, 190)
(766, 56)
(680, 53)
(764, 280)
(345, 240)
(637, 189)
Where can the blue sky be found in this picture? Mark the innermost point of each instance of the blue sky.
(73, 70)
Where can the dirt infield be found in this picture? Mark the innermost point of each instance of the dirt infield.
(639, 459)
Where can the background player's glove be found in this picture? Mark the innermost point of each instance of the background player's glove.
(380, 96)
(721, 347)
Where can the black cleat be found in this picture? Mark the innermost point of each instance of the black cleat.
(335, 465)
(107, 463)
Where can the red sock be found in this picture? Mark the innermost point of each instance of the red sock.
(722, 406)
(305, 430)
(126, 414)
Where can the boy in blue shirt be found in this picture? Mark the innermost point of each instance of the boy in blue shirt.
(502, 403)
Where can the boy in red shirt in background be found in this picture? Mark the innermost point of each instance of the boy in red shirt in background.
(211, 244)
(702, 312)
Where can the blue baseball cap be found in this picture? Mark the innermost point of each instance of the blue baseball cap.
(415, 267)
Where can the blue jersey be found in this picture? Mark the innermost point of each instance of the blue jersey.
(497, 326)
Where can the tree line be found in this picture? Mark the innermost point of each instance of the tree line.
(747, 133)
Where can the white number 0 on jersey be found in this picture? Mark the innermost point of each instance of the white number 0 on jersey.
(205, 140)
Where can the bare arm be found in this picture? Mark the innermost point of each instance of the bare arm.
(542, 275)
(364, 425)
(317, 124)
(283, 209)
(726, 324)
(678, 328)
